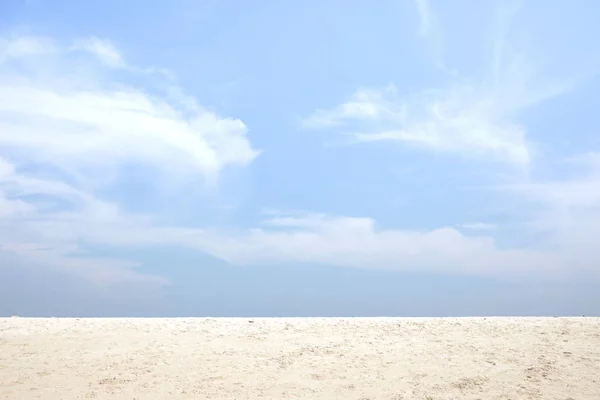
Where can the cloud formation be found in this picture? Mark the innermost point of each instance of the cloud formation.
(324, 239)
(479, 226)
(424, 16)
(107, 121)
(75, 117)
(69, 126)
(471, 117)
(479, 118)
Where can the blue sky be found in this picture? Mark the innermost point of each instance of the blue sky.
(399, 157)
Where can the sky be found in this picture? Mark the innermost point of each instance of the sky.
(314, 158)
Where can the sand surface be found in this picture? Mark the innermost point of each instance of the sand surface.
(313, 358)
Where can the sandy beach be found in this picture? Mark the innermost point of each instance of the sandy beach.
(312, 358)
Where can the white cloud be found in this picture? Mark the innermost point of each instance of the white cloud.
(365, 105)
(103, 49)
(563, 214)
(22, 47)
(474, 118)
(565, 208)
(431, 32)
(51, 236)
(114, 122)
(479, 226)
(461, 119)
(357, 242)
(38, 234)
(424, 16)
(324, 239)
(86, 126)
(82, 126)
(472, 121)
(26, 46)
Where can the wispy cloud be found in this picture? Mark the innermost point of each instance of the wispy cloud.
(424, 16)
(334, 240)
(48, 233)
(479, 226)
(110, 121)
(25, 46)
(68, 126)
(357, 242)
(565, 211)
(103, 49)
(471, 117)
(479, 116)
(461, 119)
(431, 32)
(364, 105)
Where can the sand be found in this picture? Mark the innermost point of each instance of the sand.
(312, 358)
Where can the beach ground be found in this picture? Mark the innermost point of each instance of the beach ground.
(304, 358)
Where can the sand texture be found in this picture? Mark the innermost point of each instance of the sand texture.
(313, 358)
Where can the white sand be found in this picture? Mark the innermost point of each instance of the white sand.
(320, 358)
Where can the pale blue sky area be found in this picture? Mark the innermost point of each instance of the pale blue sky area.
(395, 157)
